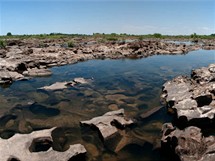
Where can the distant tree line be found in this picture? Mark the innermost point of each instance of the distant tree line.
(111, 36)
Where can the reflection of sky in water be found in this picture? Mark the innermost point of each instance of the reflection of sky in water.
(134, 85)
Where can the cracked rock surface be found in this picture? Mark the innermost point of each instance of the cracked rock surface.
(106, 123)
(192, 97)
(189, 144)
(23, 147)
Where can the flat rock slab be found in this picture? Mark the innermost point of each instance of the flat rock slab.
(106, 123)
(19, 147)
(192, 97)
(64, 85)
(37, 72)
(189, 144)
(57, 86)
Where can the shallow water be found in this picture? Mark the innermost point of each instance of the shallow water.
(134, 85)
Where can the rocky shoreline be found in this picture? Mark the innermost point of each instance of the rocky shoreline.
(21, 59)
(192, 100)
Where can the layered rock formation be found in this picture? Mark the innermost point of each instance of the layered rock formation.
(194, 99)
(36, 146)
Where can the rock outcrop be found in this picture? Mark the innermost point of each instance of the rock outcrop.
(109, 123)
(33, 57)
(192, 97)
(23, 147)
(189, 144)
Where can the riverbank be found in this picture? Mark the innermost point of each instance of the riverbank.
(22, 58)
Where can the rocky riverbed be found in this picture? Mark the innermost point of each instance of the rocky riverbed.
(21, 59)
(192, 100)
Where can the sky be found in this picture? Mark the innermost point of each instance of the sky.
(168, 17)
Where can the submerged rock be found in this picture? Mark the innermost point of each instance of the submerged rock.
(192, 97)
(57, 86)
(64, 85)
(82, 80)
(37, 72)
(36, 146)
(108, 123)
(189, 144)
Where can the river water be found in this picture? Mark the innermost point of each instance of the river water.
(132, 84)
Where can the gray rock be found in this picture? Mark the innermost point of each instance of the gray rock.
(58, 86)
(189, 144)
(105, 123)
(204, 74)
(82, 80)
(192, 98)
(21, 147)
(37, 72)
(64, 85)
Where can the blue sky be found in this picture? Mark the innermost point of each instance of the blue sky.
(123, 16)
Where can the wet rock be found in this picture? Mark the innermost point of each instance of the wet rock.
(189, 144)
(193, 97)
(37, 72)
(150, 112)
(58, 86)
(109, 123)
(64, 85)
(36, 146)
(82, 80)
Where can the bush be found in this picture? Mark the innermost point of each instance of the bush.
(157, 35)
(112, 38)
(9, 34)
(2, 44)
(71, 44)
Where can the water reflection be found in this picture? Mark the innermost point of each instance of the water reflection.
(134, 85)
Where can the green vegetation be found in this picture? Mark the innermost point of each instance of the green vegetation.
(9, 34)
(157, 35)
(108, 37)
(2, 44)
(71, 44)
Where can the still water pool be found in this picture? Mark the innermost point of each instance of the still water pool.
(134, 85)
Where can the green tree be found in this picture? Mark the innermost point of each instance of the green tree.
(9, 34)
(157, 35)
(194, 35)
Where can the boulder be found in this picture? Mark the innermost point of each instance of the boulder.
(189, 144)
(109, 123)
(192, 97)
(24, 147)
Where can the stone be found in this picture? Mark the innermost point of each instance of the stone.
(37, 72)
(64, 85)
(58, 86)
(82, 80)
(23, 147)
(106, 124)
(150, 112)
(192, 97)
(204, 75)
(189, 144)
(5, 77)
